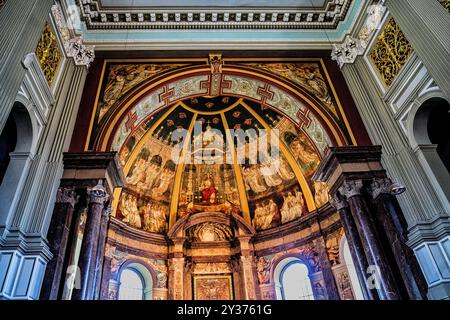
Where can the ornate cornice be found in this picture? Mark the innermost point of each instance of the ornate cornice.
(74, 48)
(328, 17)
(354, 46)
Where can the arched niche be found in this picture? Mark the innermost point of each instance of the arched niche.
(430, 139)
(146, 274)
(18, 160)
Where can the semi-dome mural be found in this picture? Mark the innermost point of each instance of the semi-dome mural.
(206, 116)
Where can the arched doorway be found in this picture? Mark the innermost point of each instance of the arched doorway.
(292, 280)
(15, 155)
(8, 141)
(439, 119)
(432, 138)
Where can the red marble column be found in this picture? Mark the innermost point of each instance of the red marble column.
(355, 246)
(388, 289)
(389, 217)
(88, 254)
(57, 237)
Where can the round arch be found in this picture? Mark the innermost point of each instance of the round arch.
(146, 273)
(18, 160)
(279, 272)
(420, 141)
(160, 91)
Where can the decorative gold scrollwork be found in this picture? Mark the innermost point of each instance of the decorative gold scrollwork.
(390, 52)
(48, 54)
(445, 4)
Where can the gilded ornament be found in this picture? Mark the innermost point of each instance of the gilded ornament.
(445, 4)
(48, 54)
(390, 52)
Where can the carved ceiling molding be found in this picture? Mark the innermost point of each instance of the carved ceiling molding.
(328, 17)
(354, 46)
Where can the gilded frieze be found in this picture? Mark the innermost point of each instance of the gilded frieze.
(48, 54)
(390, 52)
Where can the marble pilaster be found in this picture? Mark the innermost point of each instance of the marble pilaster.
(327, 272)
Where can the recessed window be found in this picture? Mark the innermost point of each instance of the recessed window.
(131, 285)
(295, 282)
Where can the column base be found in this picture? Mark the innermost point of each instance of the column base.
(20, 275)
(440, 291)
(431, 244)
(23, 261)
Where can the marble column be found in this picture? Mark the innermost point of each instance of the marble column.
(388, 216)
(176, 283)
(238, 287)
(58, 237)
(385, 280)
(426, 24)
(176, 269)
(327, 272)
(88, 253)
(355, 246)
(248, 269)
(101, 250)
(248, 277)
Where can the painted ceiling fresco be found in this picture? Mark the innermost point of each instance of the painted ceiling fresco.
(273, 198)
(180, 159)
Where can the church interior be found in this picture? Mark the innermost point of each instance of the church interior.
(225, 150)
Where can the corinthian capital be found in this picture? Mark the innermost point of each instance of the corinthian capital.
(351, 188)
(74, 48)
(354, 46)
(67, 195)
(98, 194)
(380, 186)
(338, 202)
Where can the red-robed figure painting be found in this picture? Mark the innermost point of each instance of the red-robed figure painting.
(209, 191)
